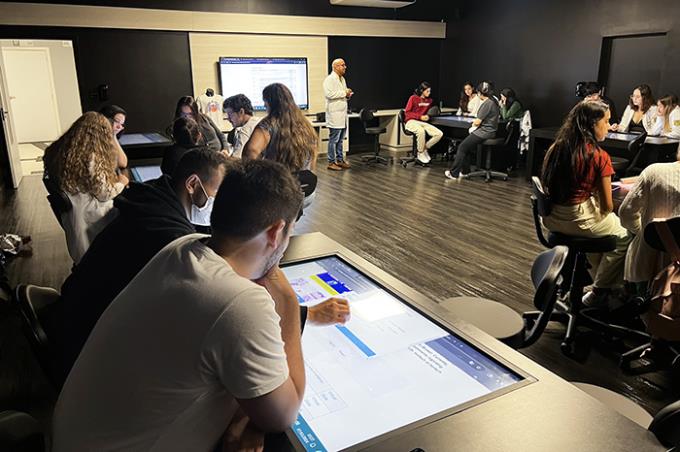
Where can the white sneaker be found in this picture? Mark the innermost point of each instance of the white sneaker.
(448, 175)
(593, 300)
(422, 158)
(427, 156)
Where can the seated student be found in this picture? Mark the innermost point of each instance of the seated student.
(668, 119)
(511, 108)
(213, 136)
(151, 215)
(187, 135)
(82, 163)
(416, 121)
(192, 339)
(656, 194)
(577, 179)
(116, 115)
(593, 91)
(640, 113)
(483, 128)
(239, 110)
(469, 101)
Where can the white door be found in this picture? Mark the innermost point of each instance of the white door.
(32, 98)
(9, 132)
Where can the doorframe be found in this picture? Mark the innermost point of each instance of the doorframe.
(53, 90)
(11, 143)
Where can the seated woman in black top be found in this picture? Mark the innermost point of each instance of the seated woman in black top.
(483, 128)
(213, 136)
(187, 134)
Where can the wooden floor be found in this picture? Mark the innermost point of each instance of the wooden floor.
(445, 238)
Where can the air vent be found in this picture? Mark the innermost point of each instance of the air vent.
(374, 3)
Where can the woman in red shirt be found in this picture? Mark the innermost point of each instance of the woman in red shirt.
(416, 121)
(577, 178)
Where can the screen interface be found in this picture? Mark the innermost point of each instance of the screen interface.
(387, 367)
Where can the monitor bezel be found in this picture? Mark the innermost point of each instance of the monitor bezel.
(262, 108)
(527, 378)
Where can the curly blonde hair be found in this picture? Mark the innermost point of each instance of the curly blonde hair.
(83, 159)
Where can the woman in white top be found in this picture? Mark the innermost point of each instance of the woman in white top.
(668, 117)
(656, 194)
(82, 163)
(469, 101)
(640, 113)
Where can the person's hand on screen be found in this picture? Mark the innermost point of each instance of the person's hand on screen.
(329, 312)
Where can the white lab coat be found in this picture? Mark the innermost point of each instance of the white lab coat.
(648, 119)
(335, 91)
(674, 121)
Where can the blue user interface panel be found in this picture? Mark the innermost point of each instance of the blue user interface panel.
(387, 367)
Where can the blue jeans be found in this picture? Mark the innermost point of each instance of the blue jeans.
(335, 137)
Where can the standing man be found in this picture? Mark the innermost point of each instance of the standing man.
(336, 92)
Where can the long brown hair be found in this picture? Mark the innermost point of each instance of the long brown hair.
(464, 98)
(567, 163)
(647, 98)
(295, 142)
(669, 101)
(83, 159)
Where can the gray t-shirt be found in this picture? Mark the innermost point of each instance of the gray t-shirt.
(488, 112)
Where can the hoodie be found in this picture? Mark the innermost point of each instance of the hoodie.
(150, 217)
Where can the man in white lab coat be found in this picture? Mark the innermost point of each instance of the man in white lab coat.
(336, 92)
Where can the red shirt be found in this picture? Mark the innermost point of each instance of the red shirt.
(600, 166)
(416, 107)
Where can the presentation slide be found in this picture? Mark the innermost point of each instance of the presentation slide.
(388, 367)
(250, 75)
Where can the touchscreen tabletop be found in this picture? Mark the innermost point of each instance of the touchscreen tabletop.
(387, 367)
(145, 173)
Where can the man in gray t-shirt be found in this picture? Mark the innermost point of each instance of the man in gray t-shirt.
(483, 128)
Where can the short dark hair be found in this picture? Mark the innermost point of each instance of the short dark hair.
(186, 132)
(112, 110)
(591, 88)
(238, 102)
(200, 161)
(253, 197)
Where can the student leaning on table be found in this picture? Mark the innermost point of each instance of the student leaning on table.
(668, 117)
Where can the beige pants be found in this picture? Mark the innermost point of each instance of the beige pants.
(585, 220)
(420, 129)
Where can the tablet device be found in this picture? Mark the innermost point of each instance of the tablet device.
(146, 172)
(388, 368)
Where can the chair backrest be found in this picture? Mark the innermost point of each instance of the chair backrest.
(59, 202)
(402, 123)
(434, 111)
(512, 135)
(540, 207)
(545, 276)
(635, 149)
(666, 425)
(366, 115)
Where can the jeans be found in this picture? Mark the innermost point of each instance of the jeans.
(335, 137)
(467, 148)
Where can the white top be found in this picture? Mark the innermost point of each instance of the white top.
(648, 119)
(88, 217)
(211, 106)
(335, 92)
(243, 134)
(656, 194)
(673, 121)
(164, 364)
(473, 106)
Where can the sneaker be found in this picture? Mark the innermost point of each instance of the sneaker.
(595, 300)
(334, 167)
(449, 175)
(422, 157)
(343, 164)
(427, 156)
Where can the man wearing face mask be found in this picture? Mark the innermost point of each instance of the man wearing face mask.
(192, 338)
(151, 215)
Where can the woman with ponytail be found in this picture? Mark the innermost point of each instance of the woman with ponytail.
(577, 179)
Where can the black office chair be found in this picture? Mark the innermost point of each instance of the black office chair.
(20, 432)
(569, 308)
(662, 350)
(505, 324)
(367, 118)
(628, 165)
(59, 201)
(31, 302)
(500, 143)
(413, 153)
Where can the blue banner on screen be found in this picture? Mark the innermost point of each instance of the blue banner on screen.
(387, 367)
(249, 76)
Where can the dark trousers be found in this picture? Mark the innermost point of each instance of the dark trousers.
(466, 149)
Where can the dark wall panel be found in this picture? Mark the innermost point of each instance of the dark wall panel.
(146, 71)
(383, 72)
(541, 49)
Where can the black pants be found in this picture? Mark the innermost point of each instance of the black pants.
(466, 149)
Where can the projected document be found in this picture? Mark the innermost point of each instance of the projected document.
(387, 367)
